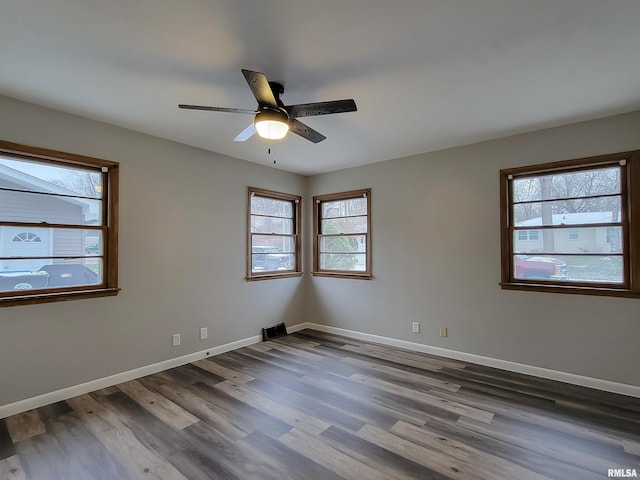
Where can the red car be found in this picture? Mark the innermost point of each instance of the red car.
(542, 268)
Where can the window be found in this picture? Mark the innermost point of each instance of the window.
(341, 234)
(26, 237)
(528, 235)
(587, 237)
(58, 226)
(613, 237)
(274, 238)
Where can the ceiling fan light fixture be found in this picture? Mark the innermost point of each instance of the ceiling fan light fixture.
(272, 124)
(273, 119)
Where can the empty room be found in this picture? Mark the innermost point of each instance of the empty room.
(326, 239)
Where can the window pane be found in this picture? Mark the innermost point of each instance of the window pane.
(271, 207)
(48, 242)
(344, 225)
(36, 208)
(273, 234)
(271, 225)
(344, 208)
(572, 240)
(333, 261)
(342, 234)
(572, 268)
(568, 212)
(38, 177)
(272, 244)
(592, 182)
(49, 273)
(92, 242)
(272, 262)
(343, 244)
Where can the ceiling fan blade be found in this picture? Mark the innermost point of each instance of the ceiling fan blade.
(217, 109)
(321, 108)
(246, 134)
(305, 131)
(260, 88)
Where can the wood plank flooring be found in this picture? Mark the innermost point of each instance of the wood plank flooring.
(319, 406)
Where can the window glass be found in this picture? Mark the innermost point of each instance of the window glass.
(342, 241)
(582, 240)
(587, 183)
(55, 224)
(273, 234)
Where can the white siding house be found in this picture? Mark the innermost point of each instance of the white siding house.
(571, 239)
(17, 241)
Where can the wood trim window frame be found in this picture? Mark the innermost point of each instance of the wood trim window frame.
(317, 234)
(110, 203)
(629, 163)
(296, 202)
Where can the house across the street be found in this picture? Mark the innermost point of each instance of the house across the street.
(597, 239)
(26, 197)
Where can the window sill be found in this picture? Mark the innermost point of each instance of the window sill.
(57, 297)
(571, 290)
(357, 276)
(270, 276)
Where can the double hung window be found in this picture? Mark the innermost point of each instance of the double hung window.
(587, 237)
(274, 235)
(58, 225)
(342, 234)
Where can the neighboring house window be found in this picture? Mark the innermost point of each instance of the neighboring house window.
(528, 235)
(274, 235)
(26, 237)
(587, 237)
(613, 239)
(58, 226)
(342, 234)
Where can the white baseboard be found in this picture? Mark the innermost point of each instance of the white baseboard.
(298, 327)
(596, 383)
(69, 392)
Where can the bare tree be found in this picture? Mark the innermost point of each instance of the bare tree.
(577, 192)
(547, 214)
(82, 183)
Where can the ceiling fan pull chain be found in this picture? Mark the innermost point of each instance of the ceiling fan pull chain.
(269, 153)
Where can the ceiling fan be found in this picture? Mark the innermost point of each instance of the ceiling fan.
(273, 119)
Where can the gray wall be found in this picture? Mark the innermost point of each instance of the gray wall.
(435, 260)
(435, 234)
(182, 260)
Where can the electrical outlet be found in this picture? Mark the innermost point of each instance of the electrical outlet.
(416, 327)
(444, 332)
(176, 340)
(203, 333)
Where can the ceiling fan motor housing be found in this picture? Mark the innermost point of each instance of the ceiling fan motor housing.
(277, 89)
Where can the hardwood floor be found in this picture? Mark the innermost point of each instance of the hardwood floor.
(319, 406)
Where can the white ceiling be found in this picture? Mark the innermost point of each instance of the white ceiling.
(425, 74)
